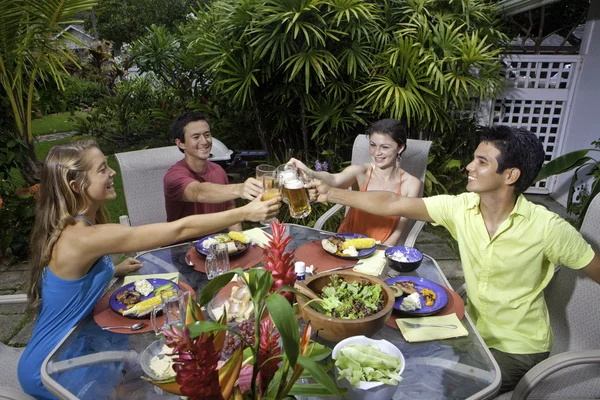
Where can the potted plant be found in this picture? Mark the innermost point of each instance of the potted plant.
(265, 366)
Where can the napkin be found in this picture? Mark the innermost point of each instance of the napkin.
(258, 236)
(170, 276)
(426, 333)
(372, 265)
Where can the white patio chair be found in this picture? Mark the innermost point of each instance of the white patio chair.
(414, 161)
(573, 369)
(143, 172)
(9, 382)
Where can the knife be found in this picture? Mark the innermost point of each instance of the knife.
(341, 268)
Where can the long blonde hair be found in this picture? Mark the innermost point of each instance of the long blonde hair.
(57, 206)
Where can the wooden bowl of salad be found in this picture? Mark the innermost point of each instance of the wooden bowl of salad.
(346, 312)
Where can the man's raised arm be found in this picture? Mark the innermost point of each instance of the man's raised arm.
(375, 202)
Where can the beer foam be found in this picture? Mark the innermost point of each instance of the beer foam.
(294, 184)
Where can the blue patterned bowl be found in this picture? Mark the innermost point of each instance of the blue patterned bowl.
(403, 258)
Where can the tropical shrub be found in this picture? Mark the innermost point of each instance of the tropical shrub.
(30, 53)
(312, 72)
(125, 119)
(577, 160)
(17, 204)
(78, 93)
(449, 155)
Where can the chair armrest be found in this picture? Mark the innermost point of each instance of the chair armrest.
(13, 299)
(551, 365)
(411, 238)
(124, 220)
(462, 290)
(328, 214)
(130, 356)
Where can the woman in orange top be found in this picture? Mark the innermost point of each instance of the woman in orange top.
(387, 142)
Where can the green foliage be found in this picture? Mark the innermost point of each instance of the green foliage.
(451, 151)
(17, 207)
(31, 54)
(304, 76)
(78, 94)
(575, 161)
(126, 119)
(125, 21)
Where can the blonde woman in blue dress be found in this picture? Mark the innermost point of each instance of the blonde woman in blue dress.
(72, 239)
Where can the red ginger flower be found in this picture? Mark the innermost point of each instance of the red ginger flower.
(195, 364)
(268, 348)
(278, 261)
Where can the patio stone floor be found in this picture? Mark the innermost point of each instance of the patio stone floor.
(16, 326)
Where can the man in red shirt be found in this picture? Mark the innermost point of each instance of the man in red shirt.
(195, 185)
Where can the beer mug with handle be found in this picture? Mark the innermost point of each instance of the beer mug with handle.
(173, 307)
(285, 172)
(297, 197)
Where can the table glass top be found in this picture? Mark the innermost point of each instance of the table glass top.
(445, 369)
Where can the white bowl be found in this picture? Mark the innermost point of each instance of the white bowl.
(152, 350)
(369, 390)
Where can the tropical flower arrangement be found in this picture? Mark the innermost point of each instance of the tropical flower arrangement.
(266, 366)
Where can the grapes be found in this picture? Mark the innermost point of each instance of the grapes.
(233, 341)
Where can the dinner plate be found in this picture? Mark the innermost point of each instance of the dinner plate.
(116, 305)
(421, 283)
(364, 253)
(200, 246)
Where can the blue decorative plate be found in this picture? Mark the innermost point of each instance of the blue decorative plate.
(116, 305)
(364, 253)
(421, 283)
(204, 251)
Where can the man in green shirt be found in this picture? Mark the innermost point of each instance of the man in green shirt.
(508, 245)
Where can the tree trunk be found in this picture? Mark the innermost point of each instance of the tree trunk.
(262, 135)
(304, 130)
(32, 170)
(94, 23)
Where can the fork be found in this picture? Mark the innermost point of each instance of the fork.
(413, 325)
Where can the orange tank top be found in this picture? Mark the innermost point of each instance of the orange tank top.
(374, 226)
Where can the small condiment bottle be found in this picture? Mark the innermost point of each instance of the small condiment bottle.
(300, 269)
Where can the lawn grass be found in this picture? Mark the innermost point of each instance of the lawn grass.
(54, 123)
(116, 207)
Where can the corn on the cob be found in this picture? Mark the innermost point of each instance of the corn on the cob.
(143, 307)
(239, 236)
(364, 243)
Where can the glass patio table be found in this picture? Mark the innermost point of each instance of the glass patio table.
(106, 365)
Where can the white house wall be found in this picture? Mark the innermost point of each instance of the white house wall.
(583, 122)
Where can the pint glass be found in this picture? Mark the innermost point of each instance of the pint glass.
(297, 197)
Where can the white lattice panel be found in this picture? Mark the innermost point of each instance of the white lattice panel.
(537, 96)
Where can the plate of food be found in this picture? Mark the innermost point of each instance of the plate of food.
(237, 243)
(417, 296)
(349, 245)
(137, 299)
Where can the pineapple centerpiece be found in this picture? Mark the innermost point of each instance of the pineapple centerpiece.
(279, 261)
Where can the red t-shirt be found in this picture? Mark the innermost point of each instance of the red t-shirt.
(176, 180)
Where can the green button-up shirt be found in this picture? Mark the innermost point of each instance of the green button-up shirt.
(505, 276)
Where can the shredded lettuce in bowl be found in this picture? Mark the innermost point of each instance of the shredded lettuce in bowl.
(367, 363)
(355, 300)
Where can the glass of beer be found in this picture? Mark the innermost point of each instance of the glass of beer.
(271, 189)
(285, 172)
(297, 197)
(263, 169)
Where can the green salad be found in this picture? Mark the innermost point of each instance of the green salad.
(355, 300)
